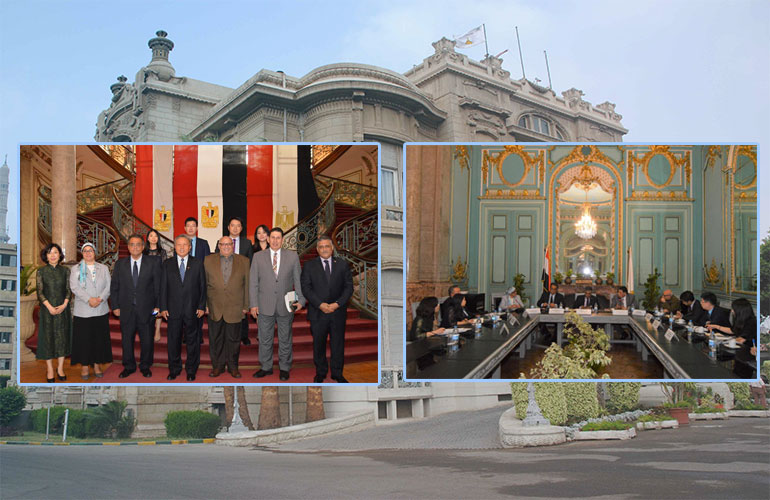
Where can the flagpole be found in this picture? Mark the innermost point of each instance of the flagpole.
(521, 58)
(486, 45)
(548, 69)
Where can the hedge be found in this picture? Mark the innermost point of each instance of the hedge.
(192, 424)
(740, 391)
(550, 398)
(582, 401)
(623, 396)
(77, 423)
(37, 419)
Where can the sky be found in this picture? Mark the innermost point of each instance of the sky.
(678, 71)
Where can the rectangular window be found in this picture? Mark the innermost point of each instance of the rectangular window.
(8, 285)
(389, 187)
(6, 311)
(5, 363)
(5, 337)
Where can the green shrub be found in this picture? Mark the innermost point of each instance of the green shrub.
(740, 391)
(744, 405)
(765, 369)
(125, 427)
(38, 419)
(581, 399)
(12, 401)
(194, 424)
(104, 421)
(709, 409)
(623, 396)
(607, 426)
(76, 426)
(550, 398)
(654, 418)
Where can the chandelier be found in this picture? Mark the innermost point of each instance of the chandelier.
(585, 228)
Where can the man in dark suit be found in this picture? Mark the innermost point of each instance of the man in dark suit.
(134, 294)
(227, 284)
(241, 246)
(712, 312)
(182, 303)
(552, 297)
(327, 284)
(690, 309)
(587, 300)
(622, 300)
(199, 248)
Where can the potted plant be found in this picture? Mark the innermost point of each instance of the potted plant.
(610, 278)
(651, 291)
(679, 396)
(598, 275)
(568, 278)
(518, 282)
(28, 301)
(558, 278)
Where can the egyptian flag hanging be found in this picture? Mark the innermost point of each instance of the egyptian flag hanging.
(270, 185)
(547, 270)
(153, 200)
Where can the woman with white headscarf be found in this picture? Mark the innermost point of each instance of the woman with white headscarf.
(511, 300)
(90, 284)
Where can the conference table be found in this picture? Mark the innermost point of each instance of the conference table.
(479, 352)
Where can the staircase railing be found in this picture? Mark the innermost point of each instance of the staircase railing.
(127, 223)
(97, 197)
(353, 240)
(103, 237)
(303, 236)
(121, 159)
(348, 192)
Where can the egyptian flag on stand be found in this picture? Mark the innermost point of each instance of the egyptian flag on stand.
(547, 270)
(270, 185)
(153, 201)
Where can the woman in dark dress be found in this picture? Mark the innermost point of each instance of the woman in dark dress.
(422, 325)
(260, 238)
(90, 285)
(456, 314)
(744, 328)
(55, 327)
(152, 245)
(152, 248)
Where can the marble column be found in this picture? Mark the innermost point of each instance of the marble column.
(64, 200)
(428, 188)
(29, 249)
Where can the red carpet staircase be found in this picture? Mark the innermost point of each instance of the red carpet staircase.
(361, 336)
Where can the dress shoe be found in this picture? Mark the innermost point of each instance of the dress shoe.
(125, 373)
(172, 376)
(262, 373)
(318, 379)
(216, 372)
(284, 375)
(99, 375)
(246, 341)
(146, 373)
(50, 380)
(235, 373)
(62, 378)
(340, 379)
(190, 377)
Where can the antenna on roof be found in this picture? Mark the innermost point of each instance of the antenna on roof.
(548, 69)
(520, 56)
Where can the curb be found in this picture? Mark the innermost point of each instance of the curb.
(112, 443)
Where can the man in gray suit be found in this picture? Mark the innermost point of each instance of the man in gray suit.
(273, 274)
(622, 300)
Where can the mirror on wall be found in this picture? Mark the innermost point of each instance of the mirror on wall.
(743, 183)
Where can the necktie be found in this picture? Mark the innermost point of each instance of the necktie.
(327, 269)
(193, 247)
(181, 270)
(586, 304)
(550, 299)
(275, 264)
(624, 302)
(135, 274)
(235, 244)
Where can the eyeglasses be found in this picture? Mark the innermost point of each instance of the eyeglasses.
(225, 244)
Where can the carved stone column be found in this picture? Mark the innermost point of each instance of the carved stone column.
(28, 250)
(64, 200)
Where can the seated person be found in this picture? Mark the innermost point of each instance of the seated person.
(456, 315)
(669, 303)
(690, 309)
(552, 297)
(744, 328)
(453, 290)
(511, 301)
(622, 300)
(713, 314)
(422, 325)
(587, 300)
